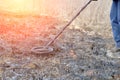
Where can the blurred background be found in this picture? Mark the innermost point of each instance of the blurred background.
(51, 7)
(96, 16)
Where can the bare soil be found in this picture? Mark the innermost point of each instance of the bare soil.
(78, 55)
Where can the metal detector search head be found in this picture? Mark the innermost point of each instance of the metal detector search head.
(42, 50)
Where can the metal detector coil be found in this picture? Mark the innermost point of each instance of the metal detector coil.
(42, 50)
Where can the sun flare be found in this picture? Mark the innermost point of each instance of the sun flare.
(20, 6)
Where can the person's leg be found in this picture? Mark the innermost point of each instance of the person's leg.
(118, 19)
(118, 12)
(114, 16)
(115, 23)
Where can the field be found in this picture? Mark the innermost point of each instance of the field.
(79, 53)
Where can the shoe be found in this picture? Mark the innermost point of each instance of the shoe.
(115, 53)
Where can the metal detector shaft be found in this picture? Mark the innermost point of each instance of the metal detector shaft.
(49, 43)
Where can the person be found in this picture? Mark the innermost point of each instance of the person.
(115, 23)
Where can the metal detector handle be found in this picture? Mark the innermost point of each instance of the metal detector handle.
(69, 22)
